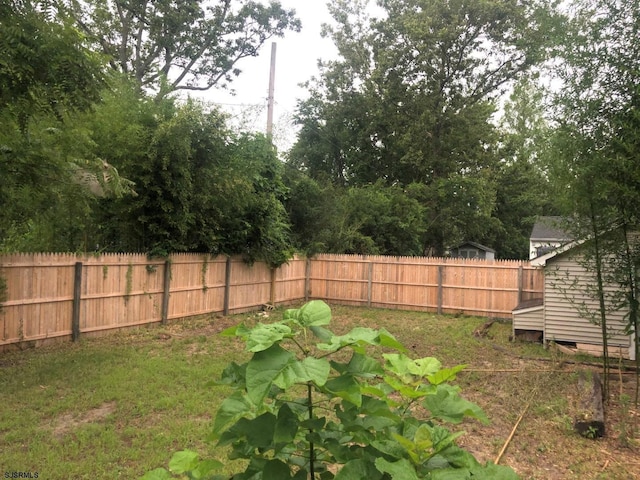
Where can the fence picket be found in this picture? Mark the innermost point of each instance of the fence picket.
(120, 290)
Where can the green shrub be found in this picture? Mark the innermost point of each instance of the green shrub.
(310, 404)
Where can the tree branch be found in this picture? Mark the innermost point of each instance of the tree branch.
(203, 48)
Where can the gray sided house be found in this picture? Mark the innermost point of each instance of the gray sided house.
(564, 314)
(547, 235)
(473, 250)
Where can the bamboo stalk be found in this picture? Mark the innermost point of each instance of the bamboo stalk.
(515, 427)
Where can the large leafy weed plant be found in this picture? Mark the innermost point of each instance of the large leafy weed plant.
(310, 404)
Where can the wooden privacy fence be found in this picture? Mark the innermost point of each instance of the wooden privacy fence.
(60, 295)
(442, 285)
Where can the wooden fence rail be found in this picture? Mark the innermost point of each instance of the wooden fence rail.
(59, 295)
(442, 285)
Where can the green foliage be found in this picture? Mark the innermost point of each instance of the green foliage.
(411, 101)
(49, 174)
(374, 219)
(45, 69)
(522, 186)
(200, 187)
(312, 404)
(180, 44)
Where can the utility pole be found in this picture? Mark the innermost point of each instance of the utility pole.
(270, 99)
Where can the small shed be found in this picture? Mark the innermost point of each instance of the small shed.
(473, 250)
(529, 316)
(561, 315)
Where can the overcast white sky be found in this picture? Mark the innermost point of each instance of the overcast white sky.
(297, 56)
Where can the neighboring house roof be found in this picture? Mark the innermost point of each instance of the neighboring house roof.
(549, 229)
(476, 245)
(541, 261)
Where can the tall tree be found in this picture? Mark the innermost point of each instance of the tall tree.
(200, 187)
(169, 45)
(45, 68)
(523, 188)
(47, 78)
(412, 98)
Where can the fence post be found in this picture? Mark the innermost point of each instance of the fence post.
(307, 279)
(520, 284)
(440, 288)
(166, 291)
(75, 315)
(370, 285)
(227, 286)
(272, 291)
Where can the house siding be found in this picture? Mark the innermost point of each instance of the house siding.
(562, 321)
(529, 319)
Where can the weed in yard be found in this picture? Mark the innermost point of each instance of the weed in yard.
(627, 428)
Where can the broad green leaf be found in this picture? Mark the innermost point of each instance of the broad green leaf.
(373, 391)
(157, 474)
(451, 474)
(301, 474)
(314, 314)
(423, 438)
(397, 363)
(372, 422)
(358, 469)
(452, 456)
(407, 391)
(286, 425)
(356, 337)
(346, 387)
(408, 368)
(231, 375)
(340, 450)
(263, 368)
(399, 470)
(309, 369)
(364, 366)
(422, 367)
(262, 336)
(292, 373)
(184, 461)
(389, 447)
(205, 467)
(317, 369)
(261, 430)
(374, 407)
(403, 441)
(232, 408)
(445, 375)
(491, 471)
(276, 470)
(323, 334)
(388, 340)
(239, 330)
(313, 423)
(447, 404)
(291, 314)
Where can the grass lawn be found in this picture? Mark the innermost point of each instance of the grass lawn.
(119, 405)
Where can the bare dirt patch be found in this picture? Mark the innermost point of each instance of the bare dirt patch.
(68, 422)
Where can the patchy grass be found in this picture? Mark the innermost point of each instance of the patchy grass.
(120, 405)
